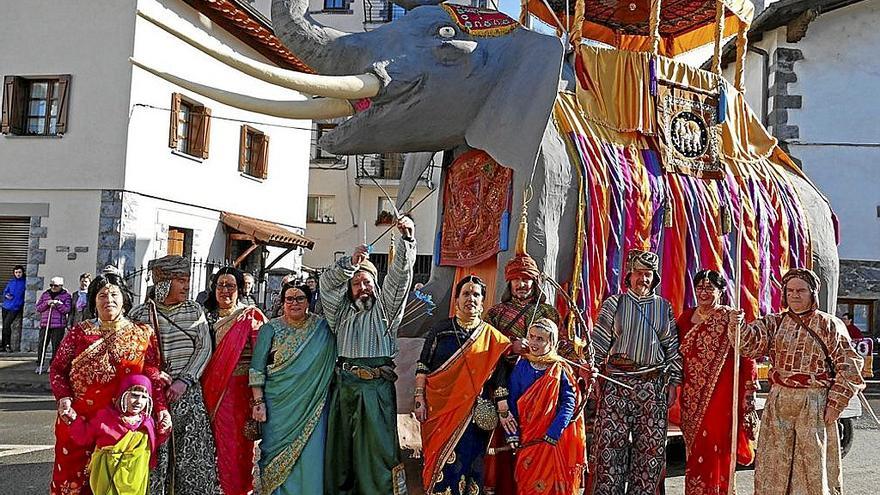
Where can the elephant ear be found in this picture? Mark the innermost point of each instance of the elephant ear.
(511, 122)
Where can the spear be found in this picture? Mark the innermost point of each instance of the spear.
(734, 421)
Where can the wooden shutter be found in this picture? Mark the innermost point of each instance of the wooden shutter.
(200, 130)
(242, 149)
(14, 232)
(175, 114)
(263, 156)
(14, 96)
(63, 103)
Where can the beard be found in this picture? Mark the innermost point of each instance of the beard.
(365, 303)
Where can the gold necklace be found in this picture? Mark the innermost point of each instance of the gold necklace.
(299, 325)
(223, 313)
(113, 325)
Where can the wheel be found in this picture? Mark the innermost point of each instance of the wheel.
(845, 430)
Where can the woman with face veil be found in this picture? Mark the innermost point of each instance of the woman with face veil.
(460, 394)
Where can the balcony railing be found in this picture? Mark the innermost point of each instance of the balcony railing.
(386, 167)
(381, 11)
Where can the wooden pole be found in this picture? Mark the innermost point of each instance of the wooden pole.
(734, 420)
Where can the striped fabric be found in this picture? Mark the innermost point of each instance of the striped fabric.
(185, 353)
(644, 332)
(373, 333)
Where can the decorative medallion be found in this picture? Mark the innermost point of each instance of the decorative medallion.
(479, 22)
(476, 209)
(689, 135)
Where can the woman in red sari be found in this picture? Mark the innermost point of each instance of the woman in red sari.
(547, 424)
(86, 371)
(707, 390)
(225, 381)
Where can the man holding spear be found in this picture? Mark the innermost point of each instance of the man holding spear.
(815, 373)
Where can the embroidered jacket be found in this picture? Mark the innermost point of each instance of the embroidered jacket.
(793, 352)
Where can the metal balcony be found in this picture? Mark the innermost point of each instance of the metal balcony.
(386, 168)
(381, 11)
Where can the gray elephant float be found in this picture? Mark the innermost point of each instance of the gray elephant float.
(427, 83)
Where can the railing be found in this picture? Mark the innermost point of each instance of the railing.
(381, 11)
(200, 278)
(386, 166)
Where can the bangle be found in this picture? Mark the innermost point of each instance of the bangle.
(419, 391)
(257, 402)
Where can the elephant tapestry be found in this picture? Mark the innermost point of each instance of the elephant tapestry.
(689, 135)
(476, 210)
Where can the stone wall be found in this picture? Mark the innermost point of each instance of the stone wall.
(30, 323)
(116, 245)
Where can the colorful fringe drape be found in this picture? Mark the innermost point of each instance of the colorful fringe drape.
(627, 197)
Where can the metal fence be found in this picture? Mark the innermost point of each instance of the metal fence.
(201, 270)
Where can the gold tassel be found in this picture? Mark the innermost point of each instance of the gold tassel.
(667, 214)
(726, 220)
(522, 234)
(391, 252)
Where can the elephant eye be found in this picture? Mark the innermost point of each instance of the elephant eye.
(447, 32)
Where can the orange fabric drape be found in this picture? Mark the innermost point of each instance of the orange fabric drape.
(450, 394)
(542, 468)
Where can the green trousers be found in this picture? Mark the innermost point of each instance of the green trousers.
(362, 446)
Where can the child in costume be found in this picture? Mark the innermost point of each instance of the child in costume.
(125, 439)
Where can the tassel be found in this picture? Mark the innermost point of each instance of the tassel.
(522, 235)
(391, 252)
(652, 70)
(667, 214)
(726, 220)
(722, 103)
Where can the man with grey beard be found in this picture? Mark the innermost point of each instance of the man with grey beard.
(362, 454)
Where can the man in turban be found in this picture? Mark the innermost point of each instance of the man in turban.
(815, 372)
(362, 453)
(636, 342)
(186, 463)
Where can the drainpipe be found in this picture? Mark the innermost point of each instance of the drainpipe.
(765, 81)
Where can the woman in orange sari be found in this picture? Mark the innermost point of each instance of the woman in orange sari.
(234, 328)
(548, 423)
(460, 392)
(707, 391)
(93, 358)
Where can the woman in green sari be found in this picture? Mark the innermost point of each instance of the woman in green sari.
(289, 377)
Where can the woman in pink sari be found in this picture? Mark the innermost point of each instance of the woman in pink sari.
(707, 391)
(225, 381)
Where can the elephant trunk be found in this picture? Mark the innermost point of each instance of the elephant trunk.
(319, 47)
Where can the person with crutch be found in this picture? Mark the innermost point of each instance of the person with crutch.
(53, 305)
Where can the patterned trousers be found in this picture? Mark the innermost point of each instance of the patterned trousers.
(187, 462)
(797, 452)
(629, 438)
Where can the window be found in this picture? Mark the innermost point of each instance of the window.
(320, 209)
(422, 268)
(335, 5)
(391, 166)
(180, 241)
(386, 210)
(322, 129)
(190, 129)
(862, 311)
(35, 106)
(253, 153)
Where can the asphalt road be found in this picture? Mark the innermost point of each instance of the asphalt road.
(26, 451)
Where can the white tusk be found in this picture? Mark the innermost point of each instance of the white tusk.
(315, 109)
(348, 87)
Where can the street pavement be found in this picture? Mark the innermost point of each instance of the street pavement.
(26, 440)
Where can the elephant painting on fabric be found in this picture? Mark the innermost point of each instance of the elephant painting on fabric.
(457, 79)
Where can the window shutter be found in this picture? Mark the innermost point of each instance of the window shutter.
(175, 111)
(63, 103)
(205, 131)
(242, 149)
(264, 156)
(14, 89)
(199, 130)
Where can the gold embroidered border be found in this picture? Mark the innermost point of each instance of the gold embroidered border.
(278, 469)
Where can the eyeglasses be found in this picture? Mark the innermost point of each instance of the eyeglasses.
(705, 288)
(295, 299)
(54, 285)
(227, 287)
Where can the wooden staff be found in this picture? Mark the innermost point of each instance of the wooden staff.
(734, 420)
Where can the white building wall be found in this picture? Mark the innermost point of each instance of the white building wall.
(91, 40)
(152, 168)
(839, 140)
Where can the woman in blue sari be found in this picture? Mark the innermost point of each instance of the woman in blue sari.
(289, 377)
